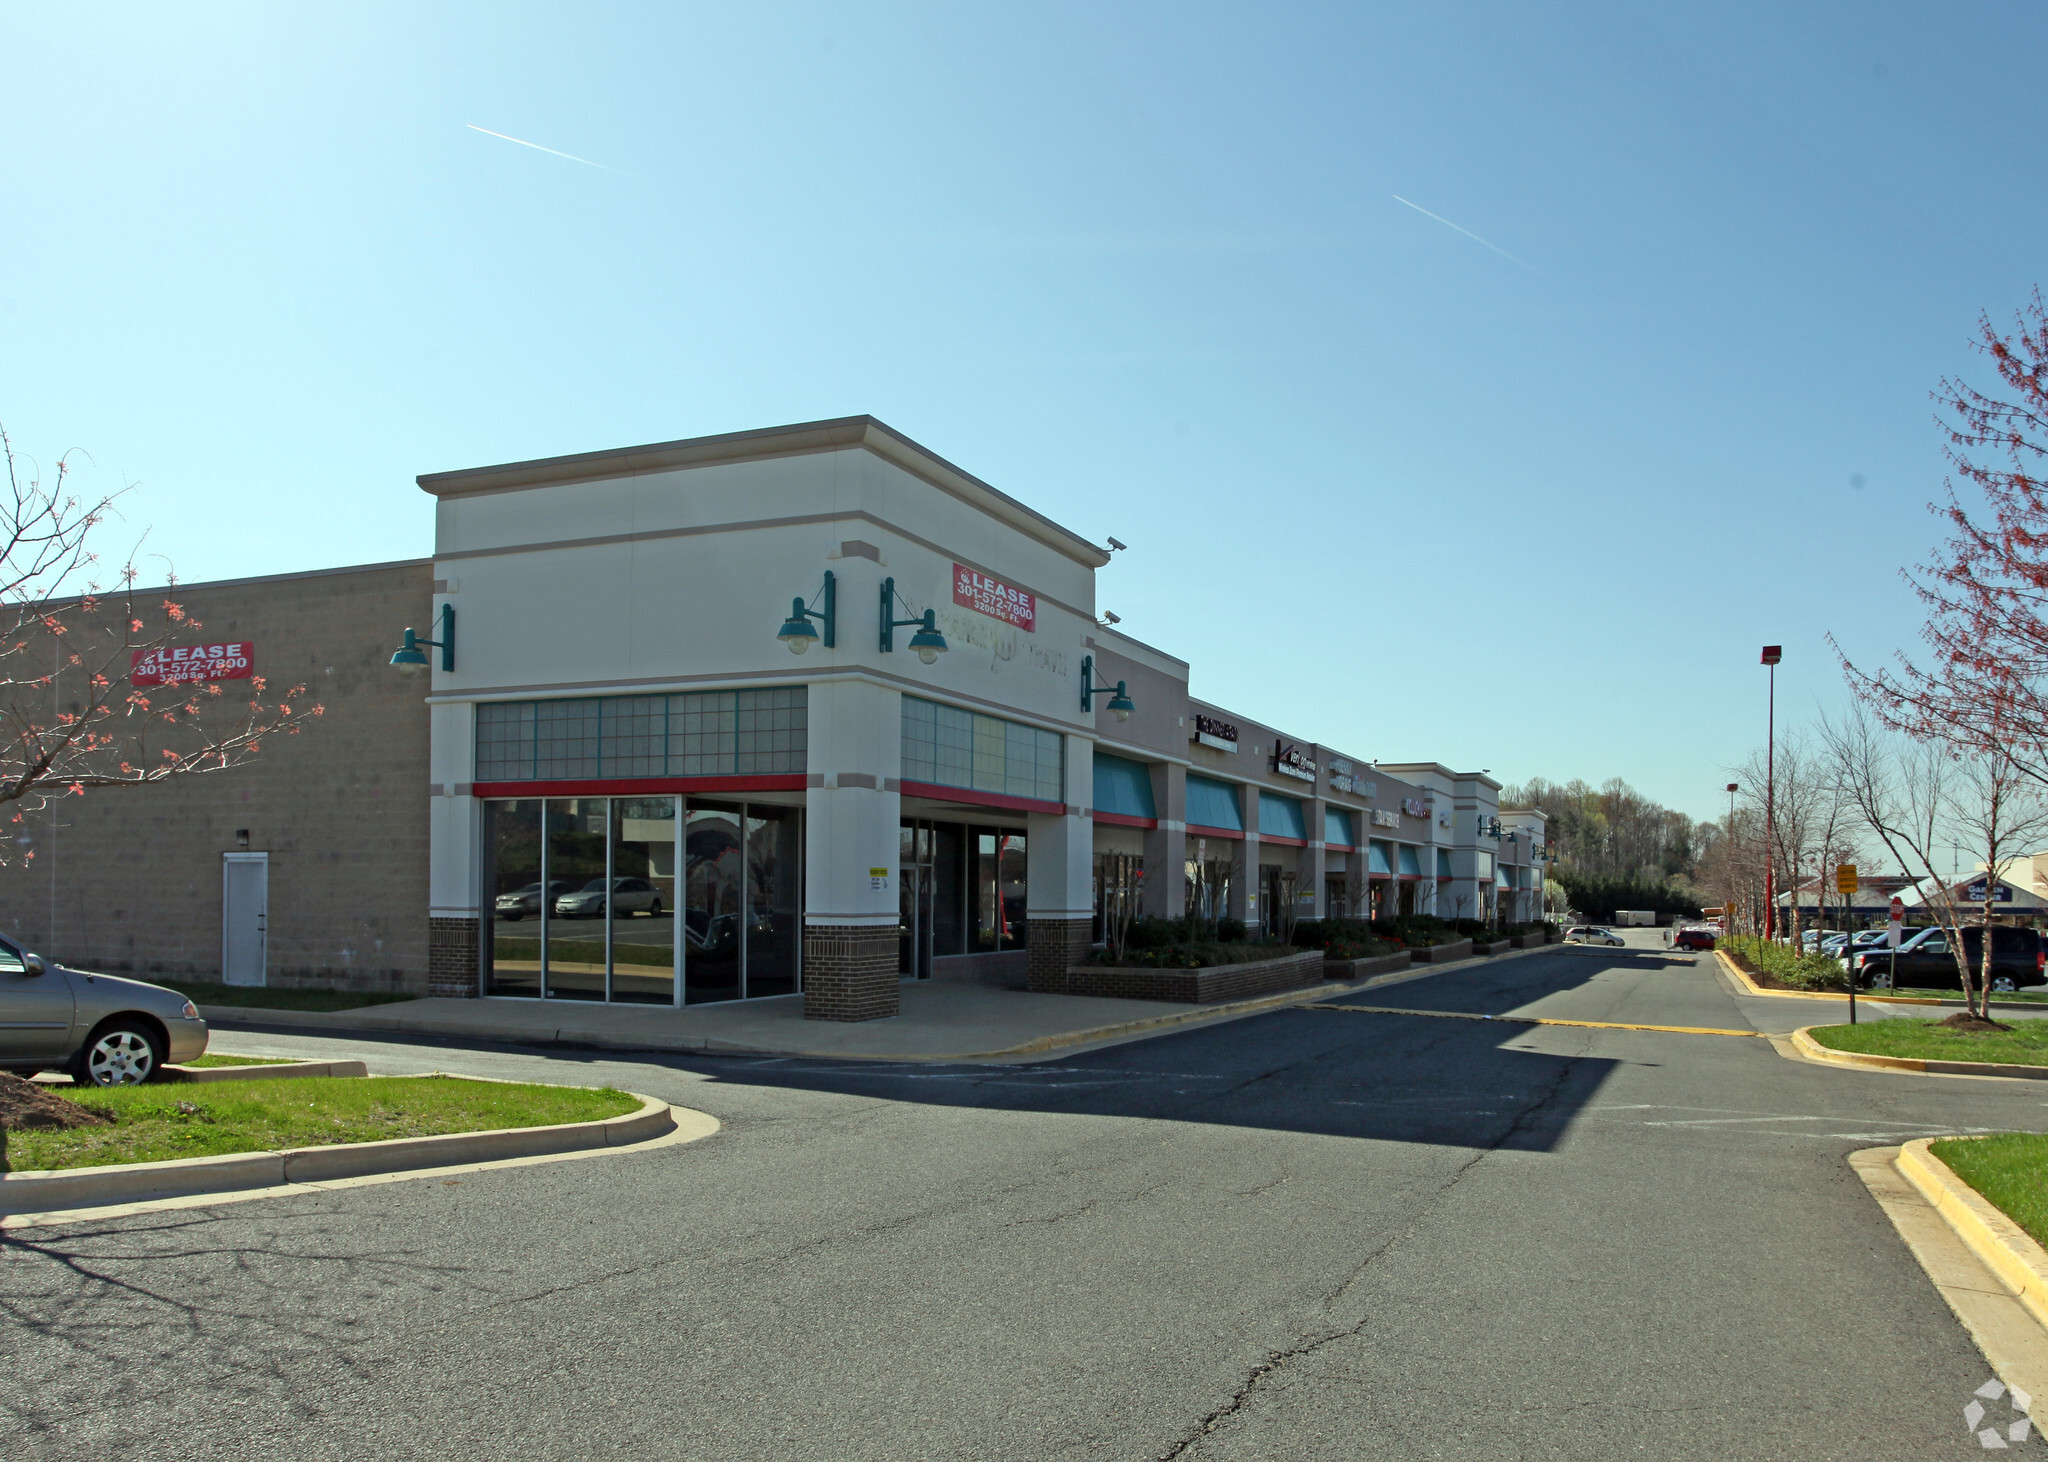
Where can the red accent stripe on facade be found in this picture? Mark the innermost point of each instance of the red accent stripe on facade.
(1341, 847)
(982, 799)
(1283, 842)
(641, 786)
(1195, 829)
(1121, 819)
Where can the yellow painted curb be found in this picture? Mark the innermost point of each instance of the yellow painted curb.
(2005, 1248)
(1813, 1050)
(1750, 987)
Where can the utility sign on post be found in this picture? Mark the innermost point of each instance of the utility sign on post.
(1898, 924)
(1845, 879)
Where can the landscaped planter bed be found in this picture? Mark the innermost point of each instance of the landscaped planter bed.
(1498, 946)
(1365, 969)
(1192, 987)
(156, 1123)
(1527, 941)
(1442, 954)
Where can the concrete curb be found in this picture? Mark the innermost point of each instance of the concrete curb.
(1813, 1050)
(2005, 1248)
(710, 1046)
(35, 1192)
(1750, 987)
(280, 1071)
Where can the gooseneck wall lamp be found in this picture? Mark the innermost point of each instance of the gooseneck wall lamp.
(1119, 699)
(928, 642)
(796, 631)
(411, 659)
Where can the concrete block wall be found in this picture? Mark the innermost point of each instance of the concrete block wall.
(128, 881)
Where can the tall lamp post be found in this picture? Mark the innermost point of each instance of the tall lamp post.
(1728, 913)
(1772, 655)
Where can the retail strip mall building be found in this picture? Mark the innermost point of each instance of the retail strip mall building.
(618, 711)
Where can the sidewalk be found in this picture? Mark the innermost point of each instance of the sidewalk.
(939, 1021)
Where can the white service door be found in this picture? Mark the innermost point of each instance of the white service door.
(244, 917)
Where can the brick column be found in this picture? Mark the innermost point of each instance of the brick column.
(1056, 944)
(850, 972)
(452, 959)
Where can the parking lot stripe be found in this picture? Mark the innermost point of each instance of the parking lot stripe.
(1604, 1025)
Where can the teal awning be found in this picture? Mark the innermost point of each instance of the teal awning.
(1377, 859)
(1214, 804)
(1337, 828)
(1280, 817)
(1443, 863)
(1411, 862)
(1123, 786)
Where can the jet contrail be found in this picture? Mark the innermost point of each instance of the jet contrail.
(1465, 231)
(589, 164)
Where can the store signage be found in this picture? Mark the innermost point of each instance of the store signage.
(1415, 807)
(978, 592)
(1343, 778)
(1385, 817)
(189, 664)
(2000, 895)
(1289, 760)
(1211, 731)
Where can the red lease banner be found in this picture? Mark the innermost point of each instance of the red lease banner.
(978, 592)
(188, 664)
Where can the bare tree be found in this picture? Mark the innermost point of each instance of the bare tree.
(85, 698)
(1919, 796)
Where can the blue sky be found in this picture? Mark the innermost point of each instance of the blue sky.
(1142, 267)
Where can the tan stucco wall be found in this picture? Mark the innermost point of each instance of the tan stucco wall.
(341, 808)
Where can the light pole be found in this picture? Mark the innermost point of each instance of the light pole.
(1772, 655)
(1728, 913)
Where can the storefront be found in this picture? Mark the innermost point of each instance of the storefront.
(797, 713)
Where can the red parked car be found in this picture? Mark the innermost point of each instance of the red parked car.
(1693, 939)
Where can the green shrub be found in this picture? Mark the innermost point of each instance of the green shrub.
(1800, 971)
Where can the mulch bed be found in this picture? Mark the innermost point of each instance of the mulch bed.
(1970, 1025)
(26, 1107)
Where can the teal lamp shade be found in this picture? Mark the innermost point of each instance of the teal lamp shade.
(928, 642)
(1120, 704)
(796, 631)
(410, 659)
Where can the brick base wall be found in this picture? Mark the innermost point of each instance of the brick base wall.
(452, 957)
(1194, 987)
(850, 972)
(1056, 946)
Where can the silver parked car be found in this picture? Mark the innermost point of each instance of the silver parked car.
(630, 896)
(1592, 934)
(103, 1029)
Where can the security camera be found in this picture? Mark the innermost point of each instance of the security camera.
(1112, 618)
(1116, 547)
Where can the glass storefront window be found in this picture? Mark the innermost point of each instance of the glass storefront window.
(512, 882)
(588, 898)
(775, 860)
(999, 889)
(711, 903)
(578, 928)
(643, 925)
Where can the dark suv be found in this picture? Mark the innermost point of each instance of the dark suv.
(1926, 961)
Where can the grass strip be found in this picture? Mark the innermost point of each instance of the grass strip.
(214, 1060)
(2010, 1170)
(154, 1123)
(268, 998)
(2024, 1045)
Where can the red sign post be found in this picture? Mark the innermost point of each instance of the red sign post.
(190, 664)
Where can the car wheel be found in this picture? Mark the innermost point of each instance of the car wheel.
(654, 909)
(121, 1053)
(2002, 984)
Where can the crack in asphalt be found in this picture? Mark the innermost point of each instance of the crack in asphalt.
(1309, 1345)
